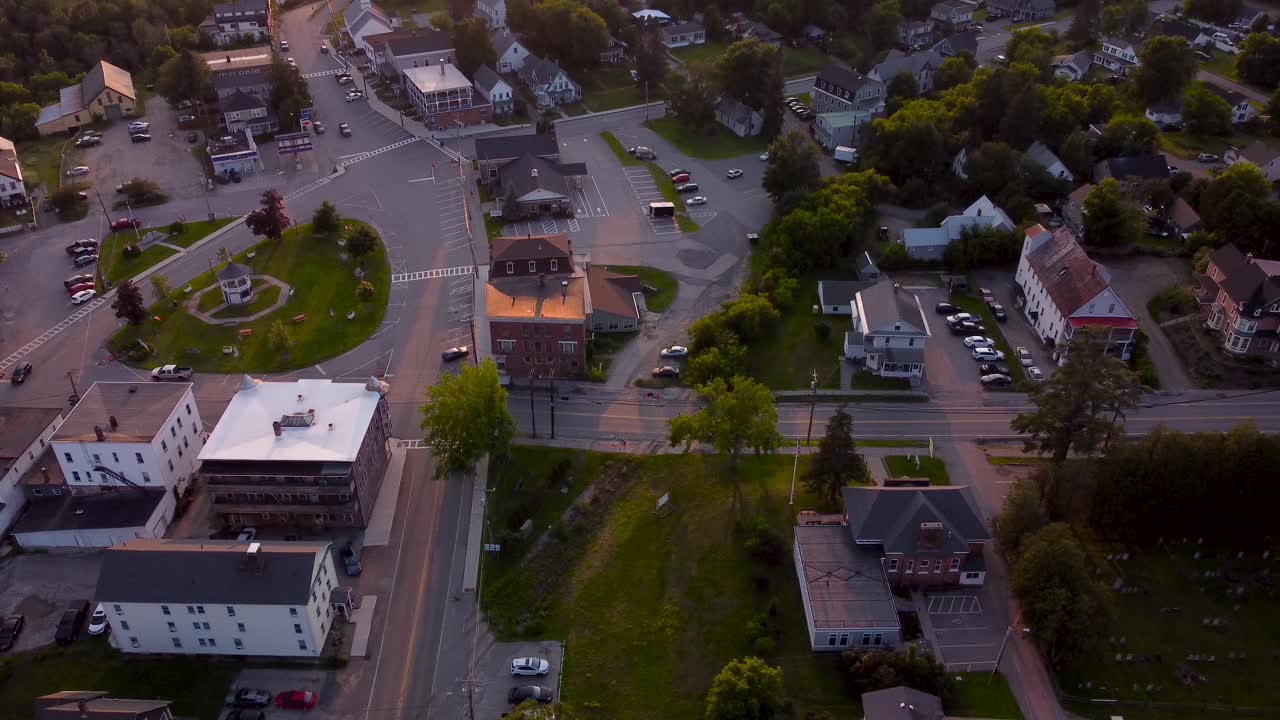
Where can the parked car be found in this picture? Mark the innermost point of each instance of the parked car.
(69, 626)
(998, 311)
(77, 279)
(88, 285)
(764, 156)
(185, 120)
(1024, 356)
(140, 137)
(687, 188)
(530, 666)
(292, 62)
(967, 328)
(138, 126)
(86, 259)
(944, 308)
(734, 173)
(678, 171)
(125, 224)
(993, 369)
(83, 296)
(675, 351)
(666, 371)
(996, 379)
(10, 629)
(351, 561)
(21, 372)
(680, 178)
(454, 353)
(88, 141)
(78, 170)
(520, 694)
(643, 153)
(98, 622)
(1207, 158)
(318, 127)
(344, 130)
(247, 534)
(352, 97)
(962, 317)
(696, 200)
(80, 247)
(343, 79)
(296, 700)
(249, 698)
(1035, 374)
(976, 341)
(284, 46)
(987, 354)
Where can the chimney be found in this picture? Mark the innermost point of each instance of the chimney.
(534, 172)
(442, 69)
(255, 558)
(929, 536)
(897, 287)
(97, 430)
(115, 424)
(44, 471)
(275, 427)
(330, 427)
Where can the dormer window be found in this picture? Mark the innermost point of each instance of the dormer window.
(511, 268)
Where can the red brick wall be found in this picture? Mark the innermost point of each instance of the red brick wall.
(469, 116)
(537, 347)
(929, 578)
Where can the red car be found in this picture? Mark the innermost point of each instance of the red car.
(126, 224)
(681, 178)
(80, 287)
(296, 700)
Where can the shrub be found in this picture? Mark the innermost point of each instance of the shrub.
(764, 645)
(364, 290)
(131, 250)
(177, 227)
(822, 330)
(763, 542)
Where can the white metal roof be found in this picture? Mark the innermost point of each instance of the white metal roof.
(341, 413)
(436, 78)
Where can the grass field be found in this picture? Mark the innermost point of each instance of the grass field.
(264, 296)
(866, 380)
(196, 230)
(786, 359)
(195, 685)
(324, 287)
(619, 150)
(651, 608)
(803, 61)
(1223, 64)
(610, 87)
(707, 52)
(980, 695)
(718, 143)
(906, 466)
(664, 281)
(1189, 146)
(41, 161)
(113, 266)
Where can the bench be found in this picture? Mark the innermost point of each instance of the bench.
(246, 332)
(299, 318)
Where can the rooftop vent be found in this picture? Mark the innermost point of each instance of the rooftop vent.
(298, 420)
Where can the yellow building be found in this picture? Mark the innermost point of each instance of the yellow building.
(106, 91)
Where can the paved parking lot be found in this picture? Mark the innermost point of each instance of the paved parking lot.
(324, 683)
(949, 366)
(966, 629)
(496, 681)
(1017, 331)
(167, 159)
(41, 586)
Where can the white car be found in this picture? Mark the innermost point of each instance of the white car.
(139, 125)
(78, 171)
(734, 173)
(977, 341)
(986, 354)
(696, 200)
(82, 297)
(291, 62)
(247, 534)
(530, 666)
(764, 157)
(1024, 356)
(675, 351)
(354, 96)
(98, 623)
(1036, 374)
(962, 317)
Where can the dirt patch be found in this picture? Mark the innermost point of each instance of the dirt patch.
(33, 607)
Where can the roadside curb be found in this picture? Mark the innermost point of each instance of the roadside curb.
(471, 570)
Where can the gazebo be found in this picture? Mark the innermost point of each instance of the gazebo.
(235, 281)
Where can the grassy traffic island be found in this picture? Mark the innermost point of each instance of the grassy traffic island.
(116, 263)
(333, 303)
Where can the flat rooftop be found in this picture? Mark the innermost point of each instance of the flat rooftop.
(436, 78)
(845, 583)
(237, 59)
(140, 409)
(100, 511)
(532, 299)
(19, 427)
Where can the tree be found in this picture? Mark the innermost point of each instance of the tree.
(566, 30)
(269, 219)
(952, 72)
(1259, 60)
(223, 255)
(1219, 12)
(693, 95)
(901, 87)
(1022, 516)
(1110, 219)
(1123, 18)
(466, 417)
(1063, 605)
(184, 77)
(738, 414)
(362, 241)
(1128, 135)
(751, 71)
(474, 47)
(1273, 110)
(160, 286)
(793, 165)
(725, 359)
(289, 93)
(990, 167)
(882, 23)
(1077, 153)
(1168, 66)
(325, 220)
(746, 689)
(534, 710)
(128, 303)
(460, 10)
(1022, 121)
(1236, 207)
(442, 21)
(651, 60)
(1080, 34)
(1205, 113)
(1082, 403)
(1032, 46)
(65, 199)
(913, 142)
(837, 463)
(280, 337)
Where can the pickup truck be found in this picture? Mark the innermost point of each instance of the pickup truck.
(171, 372)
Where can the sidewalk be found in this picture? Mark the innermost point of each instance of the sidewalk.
(378, 532)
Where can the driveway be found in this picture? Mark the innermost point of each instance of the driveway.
(1017, 330)
(493, 670)
(950, 370)
(966, 626)
(40, 586)
(1136, 280)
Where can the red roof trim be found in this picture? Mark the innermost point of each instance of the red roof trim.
(1115, 322)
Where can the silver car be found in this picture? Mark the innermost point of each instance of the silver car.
(530, 666)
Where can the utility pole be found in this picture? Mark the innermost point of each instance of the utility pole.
(137, 235)
(533, 416)
(105, 214)
(795, 466)
(75, 392)
(813, 399)
(551, 394)
(204, 185)
(646, 100)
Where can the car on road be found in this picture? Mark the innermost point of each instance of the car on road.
(83, 297)
(987, 354)
(1024, 356)
(21, 372)
(296, 700)
(354, 96)
(945, 308)
(344, 130)
(125, 224)
(675, 351)
(680, 178)
(1207, 158)
(247, 534)
(318, 127)
(993, 369)
(78, 170)
(764, 156)
(98, 621)
(687, 188)
(284, 46)
(86, 259)
(961, 317)
(249, 698)
(88, 285)
(643, 153)
(69, 626)
(292, 62)
(996, 379)
(678, 171)
(343, 78)
(529, 692)
(1035, 374)
(124, 186)
(10, 629)
(77, 279)
(986, 295)
(977, 341)
(324, 49)
(1000, 59)
(530, 666)
(997, 310)
(454, 353)
(976, 27)
(88, 141)
(666, 371)
(734, 173)
(140, 137)
(696, 200)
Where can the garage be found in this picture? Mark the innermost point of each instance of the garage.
(99, 520)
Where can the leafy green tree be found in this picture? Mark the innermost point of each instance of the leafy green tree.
(693, 95)
(746, 689)
(466, 417)
(1032, 46)
(1273, 110)
(1123, 18)
(289, 93)
(1063, 110)
(990, 167)
(18, 122)
(160, 56)
(1168, 66)
(474, 47)
(793, 165)
(460, 10)
(66, 198)
(1259, 60)
(900, 88)
(362, 241)
(533, 710)
(1077, 153)
(12, 93)
(952, 72)
(751, 316)
(1022, 516)
(270, 218)
(442, 21)
(751, 71)
(128, 303)
(1062, 603)
(870, 669)
(160, 286)
(650, 56)
(913, 142)
(724, 360)
(882, 22)
(1205, 113)
(1080, 34)
(184, 77)
(1082, 404)
(325, 220)
(1236, 206)
(1128, 135)
(568, 31)
(738, 414)
(1110, 218)
(1021, 124)
(280, 337)
(1219, 12)
(837, 463)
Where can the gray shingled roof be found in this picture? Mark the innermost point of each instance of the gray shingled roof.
(509, 147)
(892, 516)
(885, 305)
(486, 78)
(901, 703)
(213, 572)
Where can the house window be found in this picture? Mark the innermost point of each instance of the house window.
(115, 457)
(164, 446)
(568, 347)
(173, 627)
(124, 624)
(240, 627)
(188, 408)
(164, 609)
(971, 576)
(231, 611)
(97, 460)
(297, 628)
(506, 346)
(212, 642)
(511, 267)
(911, 565)
(555, 264)
(293, 612)
(831, 639)
(533, 266)
(877, 639)
(118, 609)
(202, 642)
(844, 639)
(146, 477)
(173, 432)
(177, 642)
(195, 626)
(171, 466)
(239, 644)
(866, 638)
(937, 566)
(199, 609)
(138, 457)
(191, 609)
(893, 564)
(302, 644)
(75, 476)
(955, 564)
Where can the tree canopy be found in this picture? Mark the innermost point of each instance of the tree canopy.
(793, 165)
(474, 47)
(1110, 218)
(1236, 206)
(270, 218)
(1062, 603)
(837, 463)
(1205, 113)
(1259, 60)
(737, 415)
(1168, 66)
(746, 689)
(465, 417)
(128, 303)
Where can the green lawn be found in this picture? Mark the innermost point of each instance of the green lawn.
(651, 608)
(661, 279)
(619, 150)
(1223, 64)
(787, 358)
(114, 266)
(264, 296)
(980, 695)
(196, 685)
(906, 466)
(718, 143)
(803, 61)
(974, 304)
(610, 87)
(196, 230)
(866, 380)
(325, 292)
(41, 161)
(1188, 146)
(707, 52)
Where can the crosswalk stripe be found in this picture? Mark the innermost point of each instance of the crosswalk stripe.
(432, 274)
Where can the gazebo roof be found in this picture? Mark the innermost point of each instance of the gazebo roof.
(234, 271)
